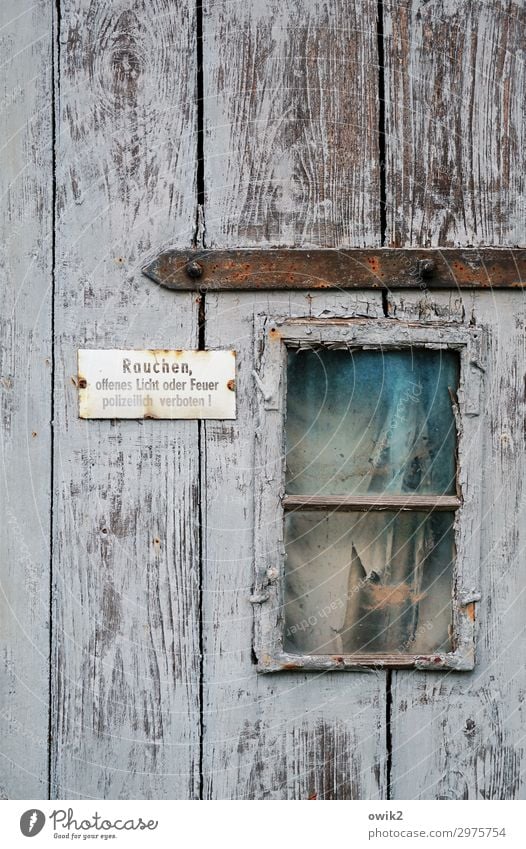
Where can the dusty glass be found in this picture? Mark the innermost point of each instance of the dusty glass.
(371, 421)
(368, 582)
(378, 423)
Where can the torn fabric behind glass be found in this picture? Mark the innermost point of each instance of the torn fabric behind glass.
(370, 422)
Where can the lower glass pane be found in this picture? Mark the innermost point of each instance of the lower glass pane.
(368, 582)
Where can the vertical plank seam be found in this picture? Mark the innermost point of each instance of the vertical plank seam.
(199, 241)
(385, 307)
(200, 456)
(388, 731)
(381, 122)
(381, 138)
(199, 230)
(55, 100)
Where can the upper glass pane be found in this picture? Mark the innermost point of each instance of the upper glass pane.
(371, 421)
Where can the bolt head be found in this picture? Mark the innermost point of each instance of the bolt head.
(194, 269)
(426, 267)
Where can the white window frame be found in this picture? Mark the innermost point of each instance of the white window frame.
(273, 339)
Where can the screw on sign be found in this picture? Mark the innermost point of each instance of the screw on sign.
(32, 822)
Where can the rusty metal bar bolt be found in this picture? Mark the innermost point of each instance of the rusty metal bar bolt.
(383, 268)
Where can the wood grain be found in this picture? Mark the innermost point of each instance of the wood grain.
(294, 735)
(291, 123)
(26, 32)
(292, 158)
(462, 737)
(455, 122)
(126, 561)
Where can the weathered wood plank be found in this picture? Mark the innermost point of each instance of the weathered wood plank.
(455, 122)
(291, 123)
(457, 737)
(290, 735)
(26, 33)
(126, 642)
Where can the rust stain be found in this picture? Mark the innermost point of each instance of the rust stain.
(254, 269)
(231, 384)
(470, 611)
(384, 596)
(373, 264)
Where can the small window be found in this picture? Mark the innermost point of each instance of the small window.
(365, 551)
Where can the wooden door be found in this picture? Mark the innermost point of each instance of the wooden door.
(128, 547)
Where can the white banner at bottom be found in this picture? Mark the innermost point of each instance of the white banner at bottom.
(254, 824)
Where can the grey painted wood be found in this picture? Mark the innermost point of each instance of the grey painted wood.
(456, 119)
(290, 735)
(455, 122)
(126, 560)
(291, 123)
(25, 395)
(457, 737)
(291, 158)
(290, 114)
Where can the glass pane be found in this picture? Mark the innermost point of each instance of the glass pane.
(368, 582)
(371, 421)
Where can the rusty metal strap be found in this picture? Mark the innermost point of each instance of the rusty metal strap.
(383, 268)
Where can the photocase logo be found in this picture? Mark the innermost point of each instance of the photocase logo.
(32, 822)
